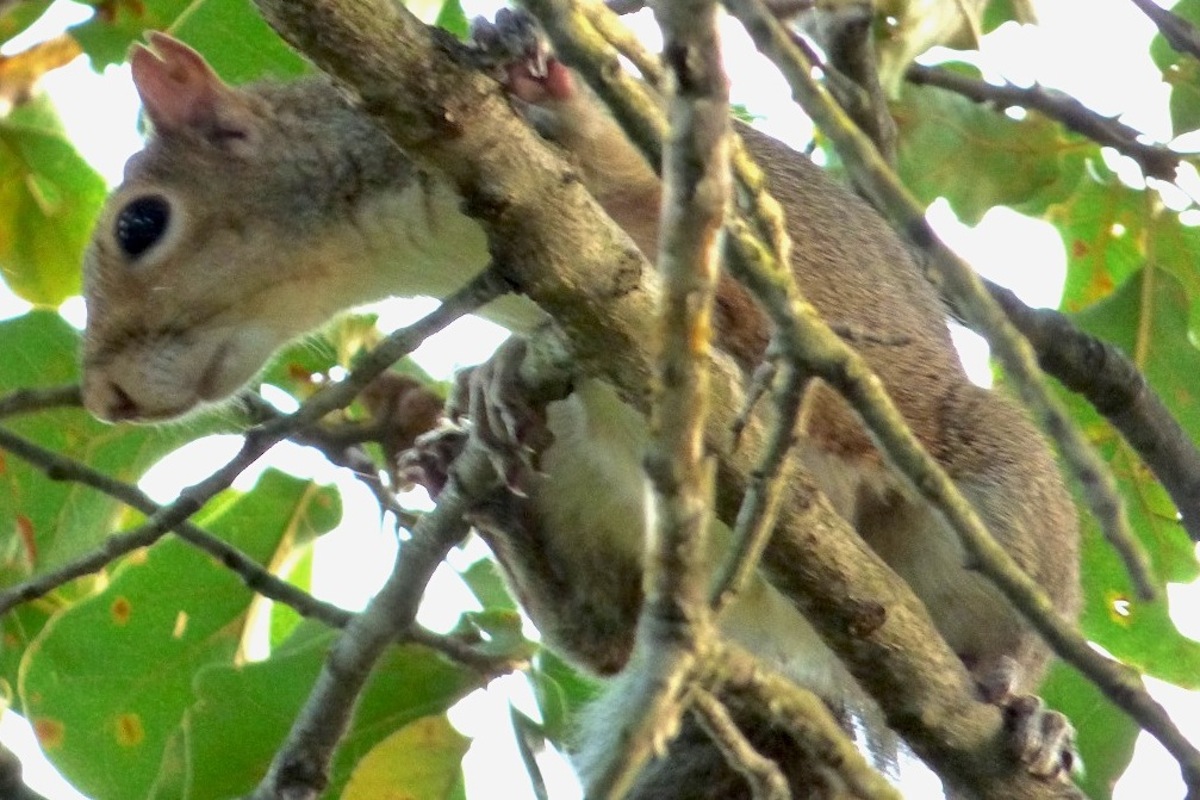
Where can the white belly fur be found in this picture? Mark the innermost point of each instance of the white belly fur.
(596, 460)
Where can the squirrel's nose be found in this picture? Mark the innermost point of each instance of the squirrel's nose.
(106, 400)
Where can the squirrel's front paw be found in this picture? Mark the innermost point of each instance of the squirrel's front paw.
(502, 417)
(427, 462)
(1039, 737)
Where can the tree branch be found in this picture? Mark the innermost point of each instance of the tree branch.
(815, 574)
(520, 197)
(1109, 381)
(873, 177)
(300, 767)
(806, 718)
(759, 510)
(23, 401)
(1116, 680)
(1155, 160)
(253, 575)
(674, 620)
(1178, 32)
(765, 779)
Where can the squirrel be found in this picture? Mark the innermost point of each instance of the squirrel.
(255, 214)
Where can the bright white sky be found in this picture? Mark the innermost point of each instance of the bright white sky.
(1107, 68)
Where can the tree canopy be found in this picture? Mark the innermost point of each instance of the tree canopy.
(126, 652)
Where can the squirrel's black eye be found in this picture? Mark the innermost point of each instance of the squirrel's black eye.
(142, 223)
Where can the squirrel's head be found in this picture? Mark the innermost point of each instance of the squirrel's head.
(210, 255)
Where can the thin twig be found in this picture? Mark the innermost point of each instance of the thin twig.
(60, 468)
(960, 281)
(23, 401)
(1117, 389)
(339, 447)
(1155, 160)
(765, 779)
(756, 517)
(626, 43)
(259, 440)
(696, 187)
(822, 740)
(808, 566)
(300, 767)
(486, 664)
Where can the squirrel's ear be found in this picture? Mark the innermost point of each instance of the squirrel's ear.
(179, 90)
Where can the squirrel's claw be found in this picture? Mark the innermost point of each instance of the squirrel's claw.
(510, 427)
(427, 462)
(1039, 737)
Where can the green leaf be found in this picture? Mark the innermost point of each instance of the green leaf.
(498, 632)
(49, 198)
(237, 41)
(1174, 248)
(561, 692)
(108, 680)
(1181, 72)
(999, 12)
(58, 521)
(485, 582)
(1101, 224)
(1147, 317)
(242, 714)
(19, 16)
(454, 19)
(231, 34)
(978, 158)
(284, 618)
(422, 759)
(1110, 231)
(117, 24)
(1104, 735)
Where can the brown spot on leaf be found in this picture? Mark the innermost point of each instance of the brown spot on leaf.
(299, 373)
(121, 611)
(129, 730)
(50, 732)
(25, 531)
(110, 10)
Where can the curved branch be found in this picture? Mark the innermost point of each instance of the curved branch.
(1155, 160)
(761, 773)
(674, 622)
(1109, 381)
(300, 767)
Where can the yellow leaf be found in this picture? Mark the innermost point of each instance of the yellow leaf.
(421, 761)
